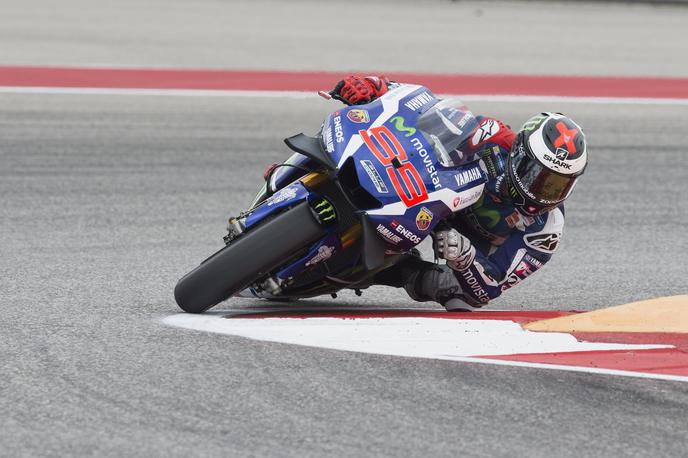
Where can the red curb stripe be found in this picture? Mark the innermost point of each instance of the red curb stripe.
(669, 361)
(198, 79)
(678, 340)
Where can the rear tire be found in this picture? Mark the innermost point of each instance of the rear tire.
(252, 255)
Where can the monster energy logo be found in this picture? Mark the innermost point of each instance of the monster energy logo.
(399, 125)
(325, 210)
(533, 123)
(513, 192)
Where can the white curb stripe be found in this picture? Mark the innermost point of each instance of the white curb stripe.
(308, 94)
(463, 340)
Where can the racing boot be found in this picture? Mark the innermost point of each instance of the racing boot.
(435, 282)
(399, 274)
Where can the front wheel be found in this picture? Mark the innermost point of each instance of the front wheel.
(249, 257)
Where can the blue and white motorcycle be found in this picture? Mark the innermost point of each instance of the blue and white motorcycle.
(348, 204)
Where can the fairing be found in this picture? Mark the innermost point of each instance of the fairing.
(399, 153)
(402, 147)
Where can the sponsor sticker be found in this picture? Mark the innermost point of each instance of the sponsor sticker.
(398, 122)
(476, 287)
(513, 219)
(423, 219)
(325, 210)
(546, 243)
(533, 123)
(519, 221)
(358, 115)
(467, 176)
(535, 262)
(329, 143)
(464, 119)
(474, 196)
(419, 101)
(561, 154)
(281, 195)
(324, 252)
(427, 162)
(374, 176)
(521, 272)
(387, 234)
(559, 164)
(338, 130)
(487, 129)
(408, 235)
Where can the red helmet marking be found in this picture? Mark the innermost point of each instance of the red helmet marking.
(567, 136)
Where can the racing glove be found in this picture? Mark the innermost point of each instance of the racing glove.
(357, 90)
(457, 249)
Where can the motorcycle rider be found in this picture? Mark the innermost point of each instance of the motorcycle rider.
(514, 228)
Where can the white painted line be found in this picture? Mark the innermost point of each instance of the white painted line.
(557, 367)
(309, 94)
(419, 337)
(570, 99)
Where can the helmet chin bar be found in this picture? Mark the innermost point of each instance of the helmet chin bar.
(530, 210)
(524, 205)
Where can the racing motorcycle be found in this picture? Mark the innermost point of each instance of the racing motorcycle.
(349, 203)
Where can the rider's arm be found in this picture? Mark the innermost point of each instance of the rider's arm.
(490, 133)
(518, 257)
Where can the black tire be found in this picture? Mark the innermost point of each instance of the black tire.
(247, 258)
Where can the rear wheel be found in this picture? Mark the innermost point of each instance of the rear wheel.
(249, 257)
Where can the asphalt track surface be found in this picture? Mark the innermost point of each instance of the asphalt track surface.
(108, 199)
(546, 37)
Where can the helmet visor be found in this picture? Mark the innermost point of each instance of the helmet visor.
(539, 183)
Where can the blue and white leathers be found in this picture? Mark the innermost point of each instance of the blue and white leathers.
(509, 246)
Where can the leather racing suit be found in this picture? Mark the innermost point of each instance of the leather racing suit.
(509, 246)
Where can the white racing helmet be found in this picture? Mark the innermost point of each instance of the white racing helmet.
(546, 159)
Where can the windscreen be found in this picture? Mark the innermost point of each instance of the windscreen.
(447, 126)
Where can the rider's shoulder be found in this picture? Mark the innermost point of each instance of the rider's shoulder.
(543, 239)
(491, 130)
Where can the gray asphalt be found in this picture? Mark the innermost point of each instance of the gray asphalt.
(108, 200)
(546, 37)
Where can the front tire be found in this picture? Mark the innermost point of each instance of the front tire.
(249, 257)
